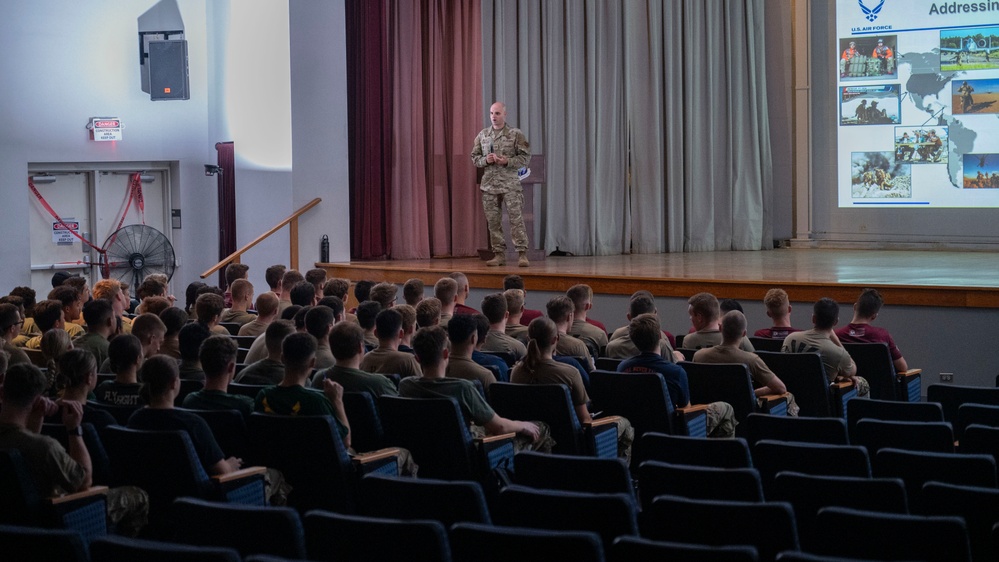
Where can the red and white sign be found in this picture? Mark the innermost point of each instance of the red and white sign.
(61, 231)
(106, 129)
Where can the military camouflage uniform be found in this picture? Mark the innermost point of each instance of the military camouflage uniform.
(500, 184)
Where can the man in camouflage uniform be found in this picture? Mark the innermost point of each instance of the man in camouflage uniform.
(502, 150)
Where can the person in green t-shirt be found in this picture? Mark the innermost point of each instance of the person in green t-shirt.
(218, 361)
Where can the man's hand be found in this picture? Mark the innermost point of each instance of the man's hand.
(333, 391)
(531, 430)
(491, 158)
(502, 160)
(235, 463)
(72, 413)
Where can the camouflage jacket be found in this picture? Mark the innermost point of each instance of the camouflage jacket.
(508, 142)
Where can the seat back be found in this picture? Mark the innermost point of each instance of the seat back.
(309, 452)
(978, 506)
(30, 544)
(572, 473)
(229, 429)
(448, 502)
(606, 364)
(891, 536)
(809, 493)
(508, 357)
(951, 397)
(366, 431)
(472, 542)
(632, 549)
(916, 468)
(20, 500)
(805, 378)
(890, 410)
(251, 390)
(118, 549)
(549, 403)
(352, 538)
(909, 435)
(722, 382)
(609, 515)
(982, 440)
(99, 461)
(874, 363)
(831, 431)
(773, 457)
(434, 431)
(644, 400)
(697, 482)
(979, 414)
(187, 386)
(120, 413)
(697, 451)
(767, 526)
(766, 344)
(249, 529)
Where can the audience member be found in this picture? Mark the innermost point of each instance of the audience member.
(317, 278)
(861, 330)
(270, 369)
(495, 311)
(408, 314)
(487, 360)
(190, 339)
(318, 322)
(241, 298)
(348, 348)
(10, 327)
(76, 382)
(461, 295)
(445, 290)
(367, 313)
(267, 311)
(705, 315)
(209, 307)
(515, 307)
(110, 290)
(191, 297)
(362, 290)
(412, 291)
(560, 311)
(384, 294)
(274, 276)
(821, 339)
(428, 312)
(290, 278)
(71, 308)
(462, 333)
(99, 316)
(339, 287)
(49, 315)
(218, 361)
(386, 358)
(620, 345)
(150, 287)
(125, 358)
(303, 293)
(584, 328)
(779, 311)
(233, 273)
(174, 319)
(517, 282)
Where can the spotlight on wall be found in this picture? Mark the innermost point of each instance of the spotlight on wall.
(211, 170)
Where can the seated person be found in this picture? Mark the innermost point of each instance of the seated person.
(155, 305)
(72, 308)
(861, 330)
(412, 291)
(274, 275)
(218, 361)
(339, 287)
(408, 314)
(233, 272)
(462, 294)
(428, 313)
(318, 322)
(124, 359)
(99, 316)
(347, 340)
(517, 282)
(209, 307)
(270, 369)
(150, 330)
(446, 291)
(733, 328)
(303, 293)
(29, 329)
(10, 327)
(384, 294)
(821, 339)
(258, 350)
(77, 379)
(386, 358)
(705, 315)
(150, 287)
(161, 381)
(495, 311)
(538, 367)
(487, 360)
(779, 311)
(463, 334)
(242, 299)
(191, 336)
(646, 333)
(367, 314)
(316, 277)
(560, 311)
(583, 327)
(174, 318)
(110, 289)
(49, 315)
(621, 346)
(54, 344)
(55, 470)
(431, 347)
(267, 312)
(515, 307)
(290, 278)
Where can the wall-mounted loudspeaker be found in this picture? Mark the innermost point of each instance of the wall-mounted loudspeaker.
(168, 78)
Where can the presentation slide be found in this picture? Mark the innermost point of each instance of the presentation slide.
(918, 95)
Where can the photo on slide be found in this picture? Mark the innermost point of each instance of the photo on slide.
(877, 175)
(966, 49)
(870, 105)
(975, 96)
(921, 145)
(867, 58)
(981, 171)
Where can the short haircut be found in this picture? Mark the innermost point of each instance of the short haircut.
(776, 302)
(235, 271)
(460, 278)
(445, 290)
(190, 338)
(869, 303)
(384, 294)
(346, 340)
(461, 328)
(291, 278)
(273, 275)
(28, 294)
(645, 332)
(210, 289)
(728, 305)
(428, 312)
(78, 283)
(559, 308)
(408, 314)
(106, 289)
(826, 313)
(317, 277)
(240, 289)
(65, 294)
(289, 313)
(513, 282)
(299, 318)
(706, 305)
(579, 295)
(47, 314)
(150, 288)
(481, 325)
(514, 300)
(191, 294)
(215, 354)
(275, 334)
(642, 293)
(23, 383)
(156, 305)
(367, 311)
(145, 325)
(97, 312)
(208, 306)
(336, 287)
(123, 351)
(494, 307)
(387, 324)
(267, 303)
(412, 291)
(429, 345)
(302, 293)
(641, 305)
(158, 374)
(733, 325)
(362, 289)
(318, 321)
(75, 367)
(60, 277)
(9, 316)
(297, 349)
(332, 303)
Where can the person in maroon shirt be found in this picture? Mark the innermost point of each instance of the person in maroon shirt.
(460, 307)
(779, 311)
(860, 330)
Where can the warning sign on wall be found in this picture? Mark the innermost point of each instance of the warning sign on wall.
(61, 231)
(105, 129)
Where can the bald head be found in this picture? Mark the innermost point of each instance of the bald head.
(497, 114)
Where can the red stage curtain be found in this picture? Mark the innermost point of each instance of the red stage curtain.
(227, 202)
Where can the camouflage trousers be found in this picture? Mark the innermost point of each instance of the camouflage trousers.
(492, 204)
(721, 419)
(543, 444)
(625, 438)
(127, 510)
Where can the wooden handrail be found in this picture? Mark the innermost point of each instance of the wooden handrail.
(292, 220)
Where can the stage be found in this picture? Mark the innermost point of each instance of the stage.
(904, 277)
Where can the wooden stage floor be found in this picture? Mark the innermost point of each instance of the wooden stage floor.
(911, 277)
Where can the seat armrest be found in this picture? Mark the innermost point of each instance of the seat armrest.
(841, 386)
(692, 409)
(489, 439)
(89, 492)
(599, 422)
(239, 474)
(776, 397)
(375, 456)
(909, 373)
